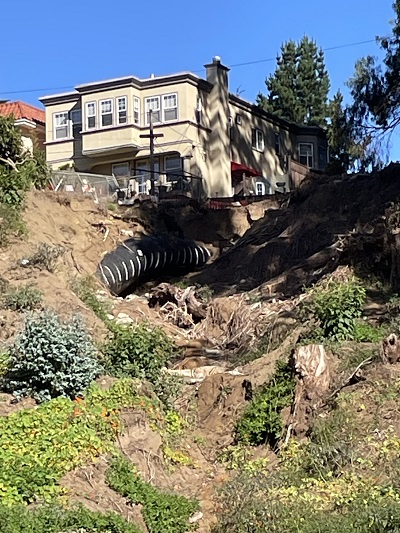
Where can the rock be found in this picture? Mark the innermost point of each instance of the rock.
(124, 319)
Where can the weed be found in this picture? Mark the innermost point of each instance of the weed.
(335, 306)
(11, 223)
(261, 421)
(55, 519)
(168, 387)
(45, 257)
(365, 332)
(85, 288)
(23, 298)
(111, 206)
(140, 351)
(162, 512)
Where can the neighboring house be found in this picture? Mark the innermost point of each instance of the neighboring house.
(213, 143)
(29, 119)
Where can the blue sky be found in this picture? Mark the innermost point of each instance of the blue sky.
(51, 46)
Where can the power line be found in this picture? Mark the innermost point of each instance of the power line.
(246, 63)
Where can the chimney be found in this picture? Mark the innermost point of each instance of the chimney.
(217, 73)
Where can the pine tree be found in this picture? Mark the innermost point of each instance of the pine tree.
(298, 90)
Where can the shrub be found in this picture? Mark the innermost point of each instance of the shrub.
(365, 332)
(261, 421)
(336, 305)
(140, 351)
(45, 257)
(11, 223)
(50, 358)
(55, 519)
(168, 388)
(24, 298)
(162, 512)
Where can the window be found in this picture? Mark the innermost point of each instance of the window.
(306, 154)
(90, 115)
(153, 104)
(260, 188)
(277, 144)
(120, 169)
(136, 110)
(106, 113)
(76, 120)
(258, 140)
(173, 167)
(170, 107)
(122, 113)
(61, 125)
(143, 176)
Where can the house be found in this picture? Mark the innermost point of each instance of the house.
(209, 141)
(30, 120)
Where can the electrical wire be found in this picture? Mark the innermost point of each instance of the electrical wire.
(235, 65)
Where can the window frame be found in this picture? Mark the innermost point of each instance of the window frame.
(177, 171)
(75, 123)
(310, 144)
(120, 164)
(67, 126)
(158, 110)
(278, 143)
(87, 116)
(165, 108)
(125, 110)
(136, 110)
(263, 188)
(101, 114)
(256, 144)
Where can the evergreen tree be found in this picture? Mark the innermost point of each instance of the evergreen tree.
(375, 87)
(298, 90)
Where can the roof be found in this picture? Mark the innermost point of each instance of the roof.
(21, 110)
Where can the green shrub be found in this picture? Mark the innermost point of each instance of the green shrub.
(24, 298)
(50, 358)
(365, 332)
(261, 421)
(168, 388)
(336, 305)
(140, 351)
(11, 223)
(162, 512)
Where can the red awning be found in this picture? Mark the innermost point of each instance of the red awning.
(238, 167)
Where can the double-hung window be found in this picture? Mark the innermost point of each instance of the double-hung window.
(260, 188)
(136, 110)
(153, 104)
(61, 125)
(170, 107)
(106, 112)
(122, 110)
(257, 141)
(90, 115)
(306, 155)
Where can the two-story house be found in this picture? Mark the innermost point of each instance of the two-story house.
(30, 120)
(212, 141)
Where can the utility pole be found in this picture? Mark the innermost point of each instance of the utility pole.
(151, 136)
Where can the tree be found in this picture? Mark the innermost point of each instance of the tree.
(298, 90)
(19, 169)
(375, 87)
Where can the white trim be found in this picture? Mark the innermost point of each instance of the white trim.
(117, 109)
(259, 142)
(309, 144)
(262, 188)
(67, 125)
(87, 116)
(165, 108)
(146, 109)
(101, 114)
(136, 109)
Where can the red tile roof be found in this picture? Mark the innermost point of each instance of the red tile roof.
(23, 110)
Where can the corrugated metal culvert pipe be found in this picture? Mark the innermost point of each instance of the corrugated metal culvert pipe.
(148, 257)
